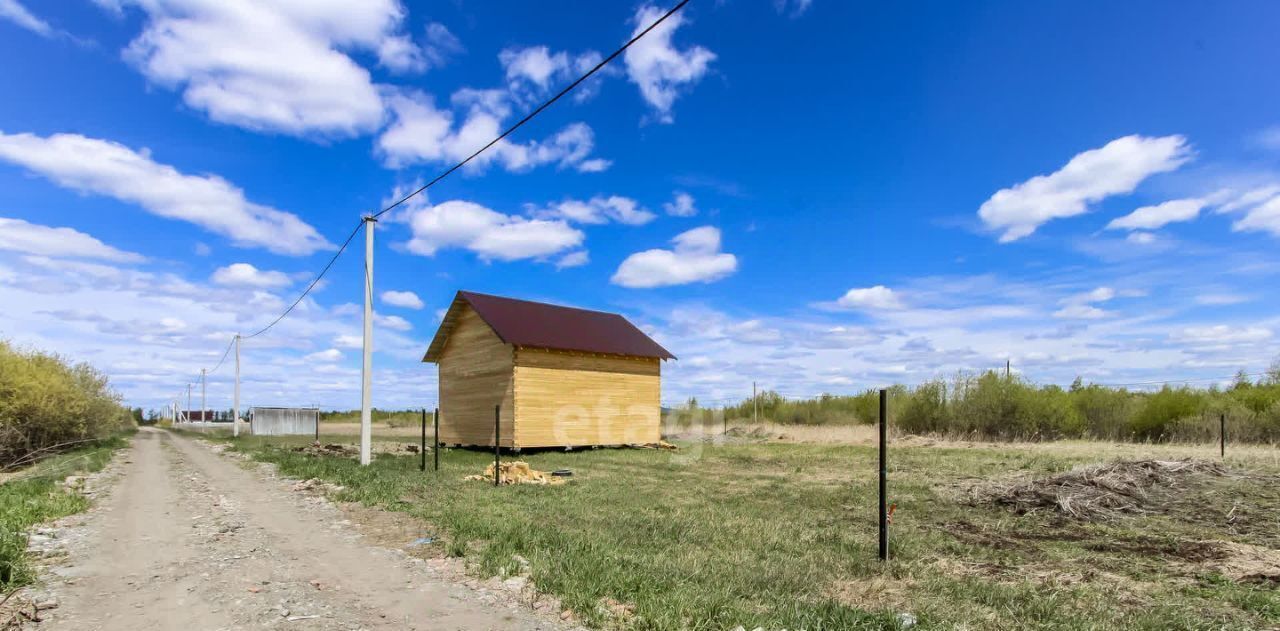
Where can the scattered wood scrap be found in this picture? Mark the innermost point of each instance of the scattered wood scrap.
(518, 472)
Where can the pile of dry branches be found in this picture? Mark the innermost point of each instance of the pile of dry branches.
(1098, 491)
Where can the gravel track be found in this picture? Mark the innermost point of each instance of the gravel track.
(189, 540)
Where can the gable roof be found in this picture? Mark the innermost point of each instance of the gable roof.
(541, 325)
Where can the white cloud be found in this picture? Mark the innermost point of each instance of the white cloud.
(1141, 238)
(1160, 215)
(349, 341)
(600, 210)
(681, 205)
(13, 11)
(202, 249)
(695, 258)
(399, 53)
(420, 132)
(792, 8)
(533, 71)
(1261, 210)
(877, 297)
(439, 45)
(1221, 299)
(393, 322)
(106, 168)
(1114, 169)
(280, 66)
(489, 234)
(658, 67)
(21, 236)
(325, 356)
(246, 275)
(406, 299)
(577, 258)
(1219, 334)
(536, 64)
(1080, 311)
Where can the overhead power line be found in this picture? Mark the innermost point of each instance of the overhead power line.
(528, 117)
(538, 110)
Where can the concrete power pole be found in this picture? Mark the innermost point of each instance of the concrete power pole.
(755, 405)
(187, 414)
(235, 410)
(366, 400)
(204, 415)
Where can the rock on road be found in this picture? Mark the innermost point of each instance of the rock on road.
(188, 540)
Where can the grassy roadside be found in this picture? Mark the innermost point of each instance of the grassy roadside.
(35, 495)
(783, 536)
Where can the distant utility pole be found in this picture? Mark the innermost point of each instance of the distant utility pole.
(366, 400)
(755, 405)
(235, 410)
(203, 391)
(187, 414)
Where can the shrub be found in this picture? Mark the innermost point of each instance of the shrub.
(48, 404)
(1160, 411)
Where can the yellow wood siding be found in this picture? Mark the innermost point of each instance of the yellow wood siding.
(475, 375)
(572, 399)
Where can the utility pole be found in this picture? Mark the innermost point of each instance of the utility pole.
(187, 414)
(366, 400)
(235, 410)
(204, 416)
(755, 405)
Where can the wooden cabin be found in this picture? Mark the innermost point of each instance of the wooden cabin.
(562, 377)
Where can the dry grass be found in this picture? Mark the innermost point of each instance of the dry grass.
(1096, 491)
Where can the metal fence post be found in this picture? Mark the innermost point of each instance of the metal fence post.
(884, 474)
(422, 448)
(497, 449)
(435, 447)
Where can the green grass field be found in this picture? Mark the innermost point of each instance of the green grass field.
(33, 496)
(783, 535)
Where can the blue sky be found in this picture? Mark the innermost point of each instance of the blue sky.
(819, 196)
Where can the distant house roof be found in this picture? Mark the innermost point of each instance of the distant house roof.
(540, 325)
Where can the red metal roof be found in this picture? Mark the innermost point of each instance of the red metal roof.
(542, 325)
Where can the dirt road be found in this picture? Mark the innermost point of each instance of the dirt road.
(188, 540)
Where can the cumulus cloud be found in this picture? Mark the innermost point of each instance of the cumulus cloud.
(21, 236)
(660, 69)
(694, 258)
(326, 356)
(393, 322)
(246, 275)
(600, 210)
(13, 11)
(1082, 306)
(491, 235)
(399, 53)
(877, 297)
(422, 132)
(406, 299)
(89, 165)
(1160, 215)
(681, 205)
(1114, 169)
(279, 67)
(577, 258)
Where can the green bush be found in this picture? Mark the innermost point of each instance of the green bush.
(48, 404)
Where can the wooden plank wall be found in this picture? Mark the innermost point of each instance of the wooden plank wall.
(574, 399)
(475, 375)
